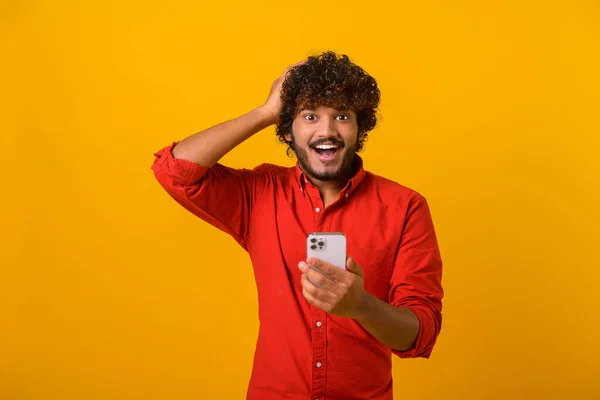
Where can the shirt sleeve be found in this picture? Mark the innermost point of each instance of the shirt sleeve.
(219, 195)
(416, 279)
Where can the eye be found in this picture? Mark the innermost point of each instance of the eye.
(343, 117)
(310, 117)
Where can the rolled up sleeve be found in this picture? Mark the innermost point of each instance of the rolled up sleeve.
(219, 195)
(416, 281)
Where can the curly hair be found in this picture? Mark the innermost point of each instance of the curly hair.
(333, 81)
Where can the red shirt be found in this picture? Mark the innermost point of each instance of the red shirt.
(303, 352)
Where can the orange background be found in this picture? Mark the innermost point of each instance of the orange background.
(110, 290)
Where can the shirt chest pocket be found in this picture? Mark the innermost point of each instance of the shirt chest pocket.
(377, 267)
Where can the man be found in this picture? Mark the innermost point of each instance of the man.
(325, 333)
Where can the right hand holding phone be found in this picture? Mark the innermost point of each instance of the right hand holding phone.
(333, 290)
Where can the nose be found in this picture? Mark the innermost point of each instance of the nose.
(327, 127)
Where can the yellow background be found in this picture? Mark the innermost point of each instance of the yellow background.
(110, 290)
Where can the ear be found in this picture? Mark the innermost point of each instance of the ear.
(288, 136)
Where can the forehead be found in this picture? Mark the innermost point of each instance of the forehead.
(323, 109)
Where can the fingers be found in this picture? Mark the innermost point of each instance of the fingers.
(292, 66)
(318, 297)
(318, 278)
(353, 267)
(315, 301)
(329, 270)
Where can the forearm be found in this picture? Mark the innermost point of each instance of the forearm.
(396, 327)
(207, 147)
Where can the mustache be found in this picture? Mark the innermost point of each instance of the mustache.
(340, 144)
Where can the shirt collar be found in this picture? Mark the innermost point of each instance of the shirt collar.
(353, 183)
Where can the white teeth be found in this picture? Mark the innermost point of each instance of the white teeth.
(326, 146)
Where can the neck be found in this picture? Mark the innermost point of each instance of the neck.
(330, 189)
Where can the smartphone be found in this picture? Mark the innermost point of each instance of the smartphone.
(327, 246)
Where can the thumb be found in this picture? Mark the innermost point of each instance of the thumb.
(353, 267)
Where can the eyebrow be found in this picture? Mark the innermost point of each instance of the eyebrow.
(337, 109)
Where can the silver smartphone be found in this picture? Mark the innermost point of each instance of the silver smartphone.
(327, 246)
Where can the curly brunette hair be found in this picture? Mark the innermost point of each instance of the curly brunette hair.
(333, 81)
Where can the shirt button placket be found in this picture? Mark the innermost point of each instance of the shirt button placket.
(319, 360)
(317, 206)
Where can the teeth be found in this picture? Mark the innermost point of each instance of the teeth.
(326, 146)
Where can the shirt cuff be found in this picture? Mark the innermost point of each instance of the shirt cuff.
(183, 172)
(426, 337)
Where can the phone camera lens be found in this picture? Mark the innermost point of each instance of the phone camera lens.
(321, 244)
(313, 240)
(314, 246)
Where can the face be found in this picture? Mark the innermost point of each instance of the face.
(324, 140)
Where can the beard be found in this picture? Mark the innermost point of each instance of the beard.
(346, 168)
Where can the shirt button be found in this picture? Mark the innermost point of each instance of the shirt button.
(317, 209)
(319, 324)
(346, 195)
(319, 364)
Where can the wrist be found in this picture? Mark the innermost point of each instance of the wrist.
(365, 304)
(267, 116)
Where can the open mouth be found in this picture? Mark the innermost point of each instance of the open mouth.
(326, 152)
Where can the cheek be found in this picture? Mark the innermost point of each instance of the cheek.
(349, 130)
(301, 133)
(350, 137)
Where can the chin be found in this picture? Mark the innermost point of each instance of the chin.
(325, 173)
(328, 168)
